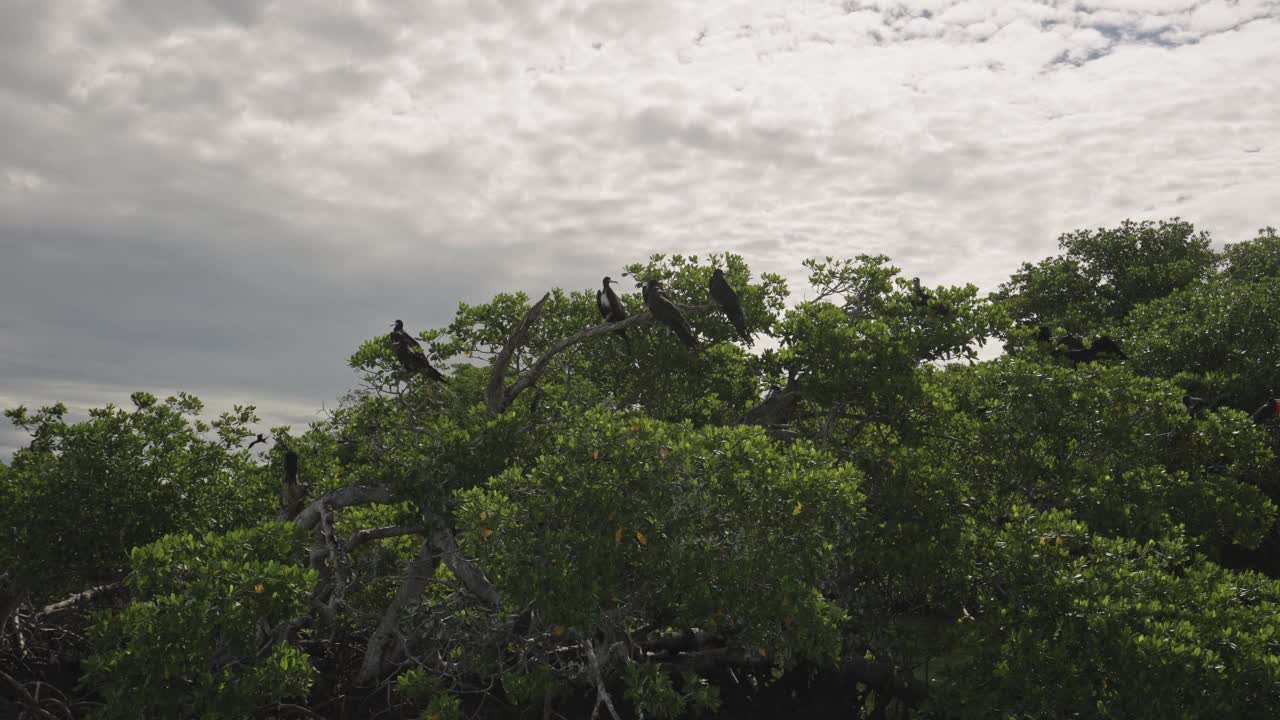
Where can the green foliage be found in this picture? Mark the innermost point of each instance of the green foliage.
(1104, 273)
(1073, 624)
(201, 636)
(655, 694)
(857, 495)
(1230, 353)
(717, 528)
(80, 495)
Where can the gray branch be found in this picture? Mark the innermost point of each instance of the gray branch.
(343, 497)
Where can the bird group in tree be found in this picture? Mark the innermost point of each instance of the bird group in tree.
(409, 352)
(665, 310)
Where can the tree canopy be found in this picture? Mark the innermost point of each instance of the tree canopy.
(857, 516)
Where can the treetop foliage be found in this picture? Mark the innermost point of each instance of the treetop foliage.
(856, 518)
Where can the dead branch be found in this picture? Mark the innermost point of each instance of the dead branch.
(539, 366)
(378, 654)
(495, 393)
(82, 598)
(25, 697)
(597, 673)
(498, 397)
(340, 498)
(468, 573)
(361, 537)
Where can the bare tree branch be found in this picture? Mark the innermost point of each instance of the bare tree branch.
(539, 366)
(83, 597)
(495, 394)
(26, 698)
(361, 537)
(468, 573)
(340, 498)
(378, 654)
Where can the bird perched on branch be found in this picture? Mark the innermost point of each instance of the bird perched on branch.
(409, 353)
(668, 314)
(923, 298)
(728, 301)
(611, 308)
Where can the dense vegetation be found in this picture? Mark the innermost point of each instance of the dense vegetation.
(857, 518)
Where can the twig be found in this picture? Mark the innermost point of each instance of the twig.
(26, 698)
(602, 695)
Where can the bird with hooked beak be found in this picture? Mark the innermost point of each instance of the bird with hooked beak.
(409, 353)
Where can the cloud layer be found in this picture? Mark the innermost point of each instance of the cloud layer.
(227, 196)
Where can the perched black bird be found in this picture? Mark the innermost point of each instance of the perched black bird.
(668, 314)
(922, 296)
(1267, 411)
(261, 439)
(398, 335)
(409, 352)
(1044, 333)
(728, 301)
(924, 299)
(611, 308)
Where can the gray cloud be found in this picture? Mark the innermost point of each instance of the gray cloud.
(228, 196)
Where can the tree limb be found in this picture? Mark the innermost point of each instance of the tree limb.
(382, 642)
(539, 367)
(441, 539)
(361, 537)
(340, 498)
(83, 597)
(26, 699)
(495, 395)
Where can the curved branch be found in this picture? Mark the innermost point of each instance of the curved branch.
(539, 367)
(495, 395)
(83, 597)
(498, 397)
(340, 498)
(361, 537)
(382, 642)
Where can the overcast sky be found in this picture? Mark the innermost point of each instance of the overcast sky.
(228, 196)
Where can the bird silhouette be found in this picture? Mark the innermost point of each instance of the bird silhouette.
(728, 301)
(409, 352)
(668, 314)
(261, 439)
(924, 299)
(611, 308)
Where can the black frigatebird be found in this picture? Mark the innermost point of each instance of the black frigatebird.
(728, 301)
(611, 307)
(668, 314)
(409, 353)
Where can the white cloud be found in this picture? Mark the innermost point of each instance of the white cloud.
(233, 194)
